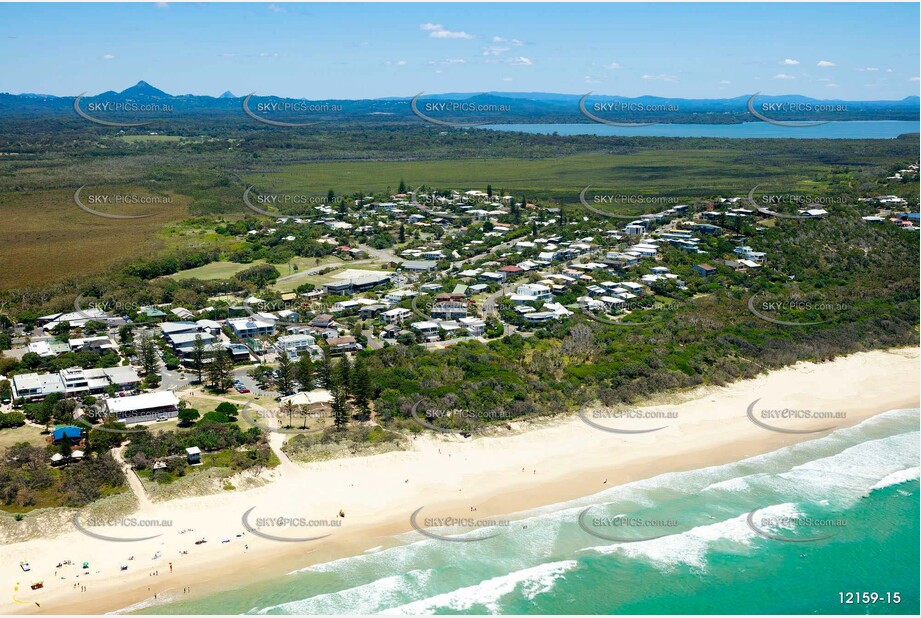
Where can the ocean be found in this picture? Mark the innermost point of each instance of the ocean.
(795, 531)
(856, 129)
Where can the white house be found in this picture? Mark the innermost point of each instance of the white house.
(535, 291)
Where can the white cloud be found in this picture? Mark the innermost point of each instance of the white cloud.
(228, 55)
(831, 85)
(108, 57)
(825, 63)
(591, 80)
(520, 61)
(437, 31)
(724, 82)
(912, 79)
(499, 39)
(783, 76)
(889, 71)
(161, 5)
(447, 61)
(507, 79)
(661, 77)
(395, 63)
(613, 66)
(868, 69)
(276, 9)
(495, 50)
(268, 54)
(790, 62)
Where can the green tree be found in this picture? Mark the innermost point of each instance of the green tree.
(198, 357)
(188, 416)
(303, 371)
(340, 408)
(65, 448)
(219, 370)
(147, 354)
(344, 377)
(285, 374)
(402, 188)
(361, 385)
(326, 372)
(402, 233)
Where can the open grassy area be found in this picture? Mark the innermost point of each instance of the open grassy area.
(26, 433)
(679, 173)
(288, 284)
(53, 239)
(226, 270)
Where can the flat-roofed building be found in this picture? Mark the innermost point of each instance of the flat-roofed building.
(294, 345)
(74, 381)
(246, 328)
(143, 408)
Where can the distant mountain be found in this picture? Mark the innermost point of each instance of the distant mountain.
(143, 90)
(516, 107)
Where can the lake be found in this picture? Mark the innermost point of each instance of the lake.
(871, 129)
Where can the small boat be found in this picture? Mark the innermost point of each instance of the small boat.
(25, 566)
(37, 585)
(124, 567)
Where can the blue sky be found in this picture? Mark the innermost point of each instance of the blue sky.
(318, 51)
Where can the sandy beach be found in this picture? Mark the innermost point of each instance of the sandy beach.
(526, 467)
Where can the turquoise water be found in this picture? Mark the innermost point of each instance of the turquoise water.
(707, 559)
(857, 129)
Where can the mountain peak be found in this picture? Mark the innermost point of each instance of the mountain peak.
(228, 95)
(143, 89)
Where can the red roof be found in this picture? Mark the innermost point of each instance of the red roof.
(511, 269)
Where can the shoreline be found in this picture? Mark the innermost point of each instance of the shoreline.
(550, 463)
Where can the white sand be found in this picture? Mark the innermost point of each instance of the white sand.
(561, 460)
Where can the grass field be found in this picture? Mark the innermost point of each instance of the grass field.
(289, 284)
(47, 237)
(683, 174)
(26, 433)
(226, 270)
